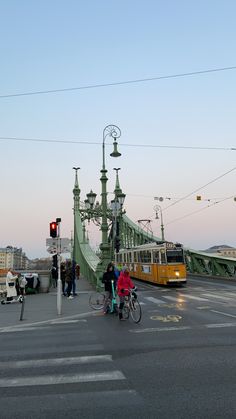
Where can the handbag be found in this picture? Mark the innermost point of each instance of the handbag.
(11, 284)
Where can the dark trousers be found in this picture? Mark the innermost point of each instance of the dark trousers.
(121, 305)
(69, 288)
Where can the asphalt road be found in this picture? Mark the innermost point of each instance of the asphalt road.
(178, 362)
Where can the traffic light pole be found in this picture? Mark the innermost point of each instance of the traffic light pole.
(59, 287)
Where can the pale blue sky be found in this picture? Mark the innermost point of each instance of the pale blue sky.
(60, 44)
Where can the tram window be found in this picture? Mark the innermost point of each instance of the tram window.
(145, 256)
(129, 257)
(175, 256)
(135, 257)
(146, 269)
(156, 258)
(163, 257)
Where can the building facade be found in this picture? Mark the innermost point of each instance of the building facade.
(13, 257)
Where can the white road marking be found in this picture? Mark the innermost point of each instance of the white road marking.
(154, 300)
(176, 299)
(68, 321)
(159, 329)
(57, 361)
(224, 314)
(218, 325)
(23, 329)
(27, 325)
(191, 297)
(220, 297)
(43, 380)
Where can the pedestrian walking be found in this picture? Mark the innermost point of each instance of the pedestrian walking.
(69, 278)
(107, 279)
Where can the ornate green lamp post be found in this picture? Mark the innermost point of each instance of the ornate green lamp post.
(158, 208)
(117, 206)
(114, 132)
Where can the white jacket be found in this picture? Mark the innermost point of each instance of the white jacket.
(11, 291)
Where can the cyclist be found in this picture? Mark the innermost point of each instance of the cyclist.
(124, 284)
(108, 276)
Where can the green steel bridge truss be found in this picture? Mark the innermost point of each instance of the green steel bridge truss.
(198, 263)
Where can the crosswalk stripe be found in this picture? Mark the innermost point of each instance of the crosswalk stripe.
(56, 361)
(154, 300)
(191, 297)
(68, 321)
(160, 329)
(176, 299)
(61, 379)
(220, 297)
(218, 325)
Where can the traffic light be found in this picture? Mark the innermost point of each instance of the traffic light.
(53, 229)
(117, 244)
(198, 197)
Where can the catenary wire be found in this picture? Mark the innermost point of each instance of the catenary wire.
(64, 141)
(200, 188)
(199, 210)
(94, 86)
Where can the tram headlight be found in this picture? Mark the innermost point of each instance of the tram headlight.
(177, 273)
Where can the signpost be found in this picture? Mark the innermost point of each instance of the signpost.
(56, 246)
(61, 245)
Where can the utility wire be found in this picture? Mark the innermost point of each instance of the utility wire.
(64, 141)
(199, 210)
(119, 83)
(201, 187)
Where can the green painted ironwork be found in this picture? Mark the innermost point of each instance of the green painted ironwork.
(207, 264)
(130, 235)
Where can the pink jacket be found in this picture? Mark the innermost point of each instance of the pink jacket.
(124, 283)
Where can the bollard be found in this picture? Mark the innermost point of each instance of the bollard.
(22, 307)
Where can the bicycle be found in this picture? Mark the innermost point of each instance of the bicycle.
(132, 307)
(97, 301)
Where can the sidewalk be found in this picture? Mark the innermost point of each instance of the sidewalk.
(43, 307)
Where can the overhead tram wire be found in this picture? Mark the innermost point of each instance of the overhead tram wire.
(64, 141)
(200, 188)
(119, 83)
(199, 210)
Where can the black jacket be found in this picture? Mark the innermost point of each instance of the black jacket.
(107, 278)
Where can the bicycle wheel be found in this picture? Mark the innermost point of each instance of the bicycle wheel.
(135, 311)
(125, 312)
(96, 300)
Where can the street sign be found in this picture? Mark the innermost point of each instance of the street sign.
(58, 245)
(52, 250)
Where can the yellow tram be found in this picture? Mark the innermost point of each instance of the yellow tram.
(159, 262)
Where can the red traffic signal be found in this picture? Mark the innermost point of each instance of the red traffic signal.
(53, 229)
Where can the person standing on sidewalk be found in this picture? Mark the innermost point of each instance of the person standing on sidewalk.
(69, 278)
(77, 275)
(63, 277)
(74, 293)
(11, 285)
